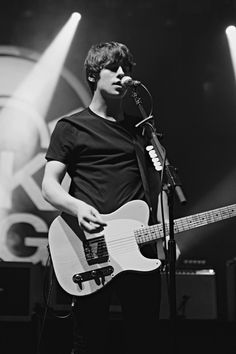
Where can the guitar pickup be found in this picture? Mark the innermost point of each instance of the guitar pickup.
(95, 250)
(96, 274)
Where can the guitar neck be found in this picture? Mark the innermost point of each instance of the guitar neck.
(155, 232)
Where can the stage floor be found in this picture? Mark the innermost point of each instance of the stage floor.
(188, 337)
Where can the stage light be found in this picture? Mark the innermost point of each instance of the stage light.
(38, 88)
(76, 16)
(222, 194)
(231, 37)
(230, 30)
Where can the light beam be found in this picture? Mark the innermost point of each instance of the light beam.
(22, 118)
(231, 37)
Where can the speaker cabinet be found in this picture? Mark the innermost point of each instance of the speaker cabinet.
(231, 289)
(20, 289)
(60, 300)
(195, 295)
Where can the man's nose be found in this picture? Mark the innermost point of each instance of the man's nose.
(120, 72)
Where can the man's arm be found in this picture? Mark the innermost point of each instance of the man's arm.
(53, 192)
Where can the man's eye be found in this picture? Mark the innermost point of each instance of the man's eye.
(112, 67)
(115, 67)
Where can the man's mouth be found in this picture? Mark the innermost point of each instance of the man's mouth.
(118, 83)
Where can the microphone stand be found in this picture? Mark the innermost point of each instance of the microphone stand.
(173, 185)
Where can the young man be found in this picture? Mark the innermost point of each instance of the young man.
(104, 154)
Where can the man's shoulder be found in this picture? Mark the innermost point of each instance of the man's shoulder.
(76, 116)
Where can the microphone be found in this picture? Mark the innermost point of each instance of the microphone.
(127, 81)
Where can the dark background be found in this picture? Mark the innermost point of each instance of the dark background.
(183, 58)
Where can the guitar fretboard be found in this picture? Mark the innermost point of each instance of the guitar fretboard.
(154, 232)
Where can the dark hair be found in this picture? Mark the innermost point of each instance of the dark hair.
(104, 54)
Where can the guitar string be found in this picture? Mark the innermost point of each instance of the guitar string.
(149, 233)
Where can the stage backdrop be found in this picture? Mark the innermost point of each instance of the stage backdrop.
(182, 58)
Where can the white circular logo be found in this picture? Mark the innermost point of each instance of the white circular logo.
(25, 129)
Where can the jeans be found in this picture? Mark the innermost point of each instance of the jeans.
(139, 296)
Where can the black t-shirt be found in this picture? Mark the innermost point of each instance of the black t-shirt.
(101, 159)
(107, 163)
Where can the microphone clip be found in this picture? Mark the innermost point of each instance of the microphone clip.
(145, 120)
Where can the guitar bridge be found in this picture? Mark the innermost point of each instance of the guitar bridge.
(97, 274)
(95, 250)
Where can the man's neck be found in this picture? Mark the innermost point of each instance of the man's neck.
(110, 109)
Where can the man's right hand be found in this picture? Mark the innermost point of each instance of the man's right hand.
(89, 218)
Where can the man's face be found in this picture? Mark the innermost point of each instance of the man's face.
(109, 82)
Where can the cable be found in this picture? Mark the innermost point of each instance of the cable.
(150, 96)
(49, 279)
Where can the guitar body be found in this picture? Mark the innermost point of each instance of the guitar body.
(85, 263)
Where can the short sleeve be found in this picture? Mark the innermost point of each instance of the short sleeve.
(62, 142)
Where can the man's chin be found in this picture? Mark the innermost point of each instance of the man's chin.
(121, 93)
(116, 94)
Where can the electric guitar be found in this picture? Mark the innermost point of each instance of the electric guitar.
(84, 263)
